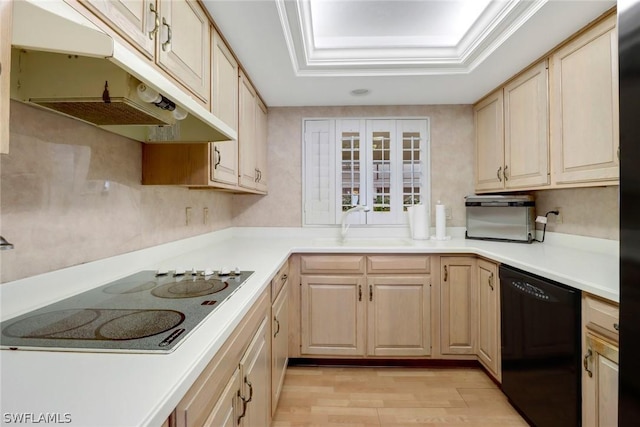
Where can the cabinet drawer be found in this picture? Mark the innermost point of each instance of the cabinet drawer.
(601, 316)
(322, 264)
(398, 264)
(279, 280)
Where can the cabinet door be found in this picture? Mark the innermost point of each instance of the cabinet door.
(224, 162)
(333, 315)
(224, 96)
(135, 20)
(247, 172)
(5, 66)
(225, 413)
(489, 317)
(584, 107)
(184, 45)
(600, 383)
(256, 380)
(398, 315)
(526, 129)
(261, 145)
(458, 305)
(489, 125)
(279, 344)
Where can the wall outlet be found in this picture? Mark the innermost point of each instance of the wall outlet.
(205, 216)
(447, 213)
(187, 216)
(557, 218)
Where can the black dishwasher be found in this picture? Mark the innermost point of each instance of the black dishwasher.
(540, 324)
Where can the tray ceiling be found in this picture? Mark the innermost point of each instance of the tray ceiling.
(316, 52)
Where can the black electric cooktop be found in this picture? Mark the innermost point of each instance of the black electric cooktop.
(142, 313)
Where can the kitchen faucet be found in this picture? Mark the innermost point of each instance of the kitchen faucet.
(345, 214)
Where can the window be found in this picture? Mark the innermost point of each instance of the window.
(380, 163)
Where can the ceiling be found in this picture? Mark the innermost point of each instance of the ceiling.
(315, 52)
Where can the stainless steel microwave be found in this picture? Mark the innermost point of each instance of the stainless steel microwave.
(501, 218)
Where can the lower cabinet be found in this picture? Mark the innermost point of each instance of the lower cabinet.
(279, 344)
(600, 363)
(489, 317)
(458, 305)
(332, 315)
(255, 371)
(225, 413)
(365, 314)
(235, 388)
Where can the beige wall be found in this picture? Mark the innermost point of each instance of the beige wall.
(54, 206)
(590, 212)
(452, 153)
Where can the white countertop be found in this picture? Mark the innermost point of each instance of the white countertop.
(118, 389)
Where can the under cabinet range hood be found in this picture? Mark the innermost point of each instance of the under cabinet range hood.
(78, 70)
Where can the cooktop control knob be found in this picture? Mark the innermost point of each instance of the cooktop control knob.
(237, 270)
(208, 272)
(179, 271)
(162, 272)
(224, 271)
(193, 272)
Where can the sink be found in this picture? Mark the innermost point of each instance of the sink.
(363, 242)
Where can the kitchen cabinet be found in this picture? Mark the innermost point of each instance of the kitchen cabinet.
(458, 305)
(225, 413)
(255, 372)
(224, 105)
(333, 316)
(488, 117)
(584, 108)
(512, 134)
(489, 317)
(398, 315)
(5, 65)
(381, 312)
(279, 342)
(600, 363)
(235, 387)
(251, 137)
(173, 33)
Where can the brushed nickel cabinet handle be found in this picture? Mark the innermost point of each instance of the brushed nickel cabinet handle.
(616, 326)
(156, 21)
(284, 277)
(491, 281)
(166, 44)
(585, 362)
(359, 292)
(506, 177)
(498, 173)
(370, 292)
(446, 273)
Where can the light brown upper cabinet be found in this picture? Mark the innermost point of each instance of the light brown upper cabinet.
(512, 136)
(5, 66)
(224, 105)
(252, 136)
(584, 108)
(175, 33)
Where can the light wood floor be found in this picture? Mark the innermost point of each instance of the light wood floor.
(392, 397)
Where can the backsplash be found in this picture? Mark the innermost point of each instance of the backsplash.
(452, 152)
(71, 193)
(592, 212)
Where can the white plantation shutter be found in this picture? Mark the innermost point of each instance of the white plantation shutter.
(381, 163)
(319, 173)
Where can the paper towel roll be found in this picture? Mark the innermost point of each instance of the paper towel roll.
(441, 222)
(419, 221)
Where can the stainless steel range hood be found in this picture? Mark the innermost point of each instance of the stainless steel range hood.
(62, 62)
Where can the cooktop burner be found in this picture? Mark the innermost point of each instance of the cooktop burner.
(144, 312)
